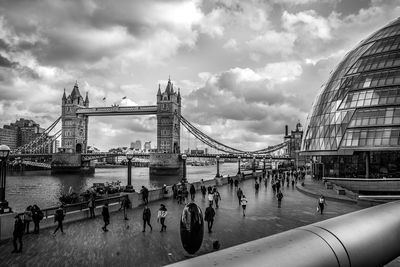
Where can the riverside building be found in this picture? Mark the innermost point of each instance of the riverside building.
(354, 126)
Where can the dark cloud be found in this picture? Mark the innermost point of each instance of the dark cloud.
(5, 63)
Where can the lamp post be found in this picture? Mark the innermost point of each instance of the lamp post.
(4, 152)
(238, 165)
(129, 157)
(254, 164)
(264, 167)
(217, 157)
(184, 157)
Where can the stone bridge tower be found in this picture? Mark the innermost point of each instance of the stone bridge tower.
(74, 127)
(168, 119)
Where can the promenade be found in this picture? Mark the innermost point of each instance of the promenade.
(85, 244)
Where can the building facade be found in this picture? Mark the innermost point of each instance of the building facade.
(168, 119)
(9, 137)
(354, 126)
(74, 126)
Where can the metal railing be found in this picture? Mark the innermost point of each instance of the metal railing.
(68, 208)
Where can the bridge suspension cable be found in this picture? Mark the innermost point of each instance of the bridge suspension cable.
(222, 147)
(43, 138)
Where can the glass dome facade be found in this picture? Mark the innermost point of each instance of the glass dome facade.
(358, 109)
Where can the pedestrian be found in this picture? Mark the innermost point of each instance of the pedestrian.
(259, 179)
(203, 191)
(236, 182)
(17, 234)
(145, 194)
(210, 198)
(209, 217)
(27, 218)
(266, 182)
(146, 218)
(239, 194)
(162, 214)
(243, 202)
(106, 217)
(59, 218)
(209, 189)
(174, 191)
(230, 181)
(192, 192)
(321, 204)
(292, 182)
(180, 194)
(125, 205)
(256, 186)
(217, 197)
(92, 206)
(37, 216)
(279, 196)
(185, 193)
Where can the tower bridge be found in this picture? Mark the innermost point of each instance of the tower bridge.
(75, 113)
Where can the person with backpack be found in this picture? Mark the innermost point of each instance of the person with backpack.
(162, 214)
(217, 197)
(209, 215)
(27, 218)
(192, 192)
(243, 202)
(321, 204)
(17, 234)
(59, 218)
(279, 196)
(146, 218)
(106, 217)
(37, 216)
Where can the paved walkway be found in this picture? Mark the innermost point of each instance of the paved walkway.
(85, 244)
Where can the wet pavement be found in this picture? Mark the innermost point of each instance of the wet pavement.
(85, 244)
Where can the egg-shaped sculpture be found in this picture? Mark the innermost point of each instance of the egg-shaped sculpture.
(192, 228)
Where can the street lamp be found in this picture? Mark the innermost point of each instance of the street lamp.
(254, 164)
(238, 165)
(129, 157)
(217, 157)
(4, 151)
(184, 157)
(264, 167)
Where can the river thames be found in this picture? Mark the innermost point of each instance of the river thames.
(44, 189)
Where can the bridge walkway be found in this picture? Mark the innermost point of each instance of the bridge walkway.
(85, 244)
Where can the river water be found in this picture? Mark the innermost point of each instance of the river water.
(44, 189)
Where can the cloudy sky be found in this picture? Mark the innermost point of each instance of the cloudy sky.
(245, 68)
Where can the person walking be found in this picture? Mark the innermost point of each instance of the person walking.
(210, 198)
(239, 194)
(217, 197)
(125, 205)
(321, 204)
(209, 217)
(256, 186)
(203, 191)
(145, 194)
(180, 194)
(106, 217)
(27, 218)
(162, 214)
(243, 202)
(146, 218)
(59, 218)
(236, 182)
(17, 234)
(92, 206)
(192, 192)
(37, 216)
(279, 196)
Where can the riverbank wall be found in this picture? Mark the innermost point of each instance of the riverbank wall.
(7, 219)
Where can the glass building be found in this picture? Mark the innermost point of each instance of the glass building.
(354, 126)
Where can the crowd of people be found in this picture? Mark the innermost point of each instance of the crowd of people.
(181, 191)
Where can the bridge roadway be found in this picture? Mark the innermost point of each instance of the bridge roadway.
(85, 244)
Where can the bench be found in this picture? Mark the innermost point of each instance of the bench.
(329, 185)
(341, 191)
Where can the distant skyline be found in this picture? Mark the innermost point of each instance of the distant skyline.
(245, 68)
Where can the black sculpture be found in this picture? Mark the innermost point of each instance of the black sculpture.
(192, 228)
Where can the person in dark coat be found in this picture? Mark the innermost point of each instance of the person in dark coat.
(19, 228)
(28, 217)
(192, 192)
(37, 216)
(279, 196)
(92, 206)
(239, 194)
(59, 218)
(145, 194)
(106, 217)
(203, 191)
(146, 218)
(236, 182)
(125, 205)
(209, 217)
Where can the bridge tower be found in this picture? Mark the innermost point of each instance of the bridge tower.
(168, 119)
(74, 127)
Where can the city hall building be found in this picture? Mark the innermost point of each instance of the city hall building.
(353, 129)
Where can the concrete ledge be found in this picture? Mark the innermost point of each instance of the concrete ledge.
(311, 193)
